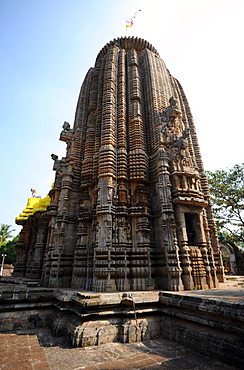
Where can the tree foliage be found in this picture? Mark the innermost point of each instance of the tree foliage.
(227, 193)
(7, 247)
(5, 233)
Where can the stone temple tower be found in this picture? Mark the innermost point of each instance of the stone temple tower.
(130, 206)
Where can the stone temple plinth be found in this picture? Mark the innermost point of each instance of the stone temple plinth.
(130, 207)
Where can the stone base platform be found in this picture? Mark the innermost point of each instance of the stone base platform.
(208, 321)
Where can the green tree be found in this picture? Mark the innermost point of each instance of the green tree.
(5, 233)
(9, 249)
(227, 193)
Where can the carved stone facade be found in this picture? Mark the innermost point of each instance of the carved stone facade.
(130, 207)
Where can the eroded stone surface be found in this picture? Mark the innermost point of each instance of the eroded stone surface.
(130, 206)
(210, 321)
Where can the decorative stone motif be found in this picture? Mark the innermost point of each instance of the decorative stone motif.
(130, 207)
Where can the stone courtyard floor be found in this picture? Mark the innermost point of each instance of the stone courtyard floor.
(40, 350)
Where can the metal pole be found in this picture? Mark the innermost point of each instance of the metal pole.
(3, 257)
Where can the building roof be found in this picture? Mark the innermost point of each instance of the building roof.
(33, 205)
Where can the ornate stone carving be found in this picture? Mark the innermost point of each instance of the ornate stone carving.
(130, 203)
(172, 111)
(66, 126)
(182, 144)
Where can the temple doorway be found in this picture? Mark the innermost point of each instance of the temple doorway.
(191, 222)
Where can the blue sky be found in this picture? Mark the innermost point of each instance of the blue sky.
(47, 46)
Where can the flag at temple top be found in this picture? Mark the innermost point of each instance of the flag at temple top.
(130, 21)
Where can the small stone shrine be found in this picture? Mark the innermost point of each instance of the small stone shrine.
(130, 206)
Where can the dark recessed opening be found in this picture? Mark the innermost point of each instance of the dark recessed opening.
(191, 220)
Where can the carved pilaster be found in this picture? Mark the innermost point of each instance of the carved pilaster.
(22, 247)
(168, 224)
(184, 249)
(35, 264)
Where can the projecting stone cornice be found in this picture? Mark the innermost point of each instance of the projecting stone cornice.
(128, 43)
